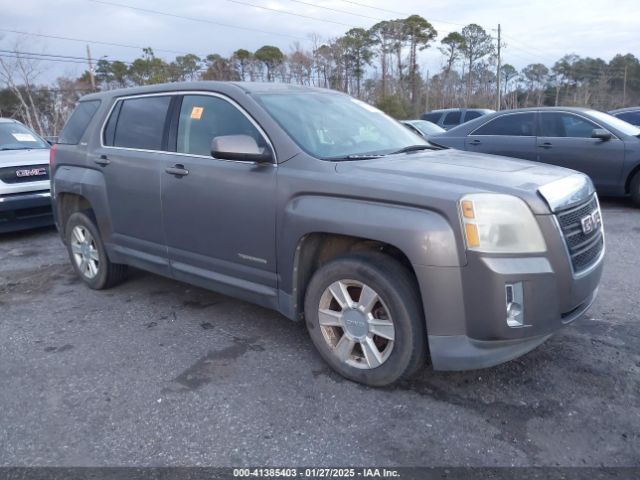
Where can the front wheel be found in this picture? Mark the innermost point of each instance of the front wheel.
(634, 189)
(364, 315)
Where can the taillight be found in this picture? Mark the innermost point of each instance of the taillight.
(52, 155)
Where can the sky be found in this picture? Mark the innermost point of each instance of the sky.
(535, 32)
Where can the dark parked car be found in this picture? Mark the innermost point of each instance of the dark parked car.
(596, 143)
(452, 117)
(321, 207)
(422, 127)
(630, 115)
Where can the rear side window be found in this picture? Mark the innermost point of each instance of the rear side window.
(78, 122)
(432, 117)
(452, 118)
(513, 125)
(631, 117)
(471, 115)
(138, 123)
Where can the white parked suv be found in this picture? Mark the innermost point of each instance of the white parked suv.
(25, 201)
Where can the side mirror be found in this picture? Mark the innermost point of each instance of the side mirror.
(601, 133)
(240, 147)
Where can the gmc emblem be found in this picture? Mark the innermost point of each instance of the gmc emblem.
(34, 172)
(591, 222)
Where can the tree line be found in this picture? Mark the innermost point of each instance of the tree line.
(379, 65)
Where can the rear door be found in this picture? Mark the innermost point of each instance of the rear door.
(131, 161)
(219, 214)
(511, 135)
(565, 140)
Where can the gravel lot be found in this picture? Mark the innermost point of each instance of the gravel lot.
(156, 372)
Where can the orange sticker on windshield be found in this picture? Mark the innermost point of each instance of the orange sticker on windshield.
(196, 113)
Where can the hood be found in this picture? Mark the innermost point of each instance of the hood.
(450, 174)
(18, 158)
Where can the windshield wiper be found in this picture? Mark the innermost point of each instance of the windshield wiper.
(414, 148)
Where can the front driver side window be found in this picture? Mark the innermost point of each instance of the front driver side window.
(556, 124)
(204, 117)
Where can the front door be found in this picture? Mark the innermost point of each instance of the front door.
(219, 214)
(565, 140)
(511, 135)
(131, 163)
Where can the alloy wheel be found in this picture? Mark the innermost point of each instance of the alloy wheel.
(356, 324)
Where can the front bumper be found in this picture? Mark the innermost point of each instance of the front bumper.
(465, 307)
(460, 352)
(21, 211)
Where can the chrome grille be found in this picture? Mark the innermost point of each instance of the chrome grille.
(584, 248)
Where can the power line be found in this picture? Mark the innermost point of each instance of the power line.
(26, 57)
(193, 19)
(287, 13)
(396, 12)
(337, 10)
(93, 42)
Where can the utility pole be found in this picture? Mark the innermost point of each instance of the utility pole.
(624, 87)
(427, 93)
(93, 79)
(499, 102)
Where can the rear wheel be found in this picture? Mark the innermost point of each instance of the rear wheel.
(363, 313)
(634, 189)
(88, 255)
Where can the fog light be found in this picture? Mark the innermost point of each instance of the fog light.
(514, 300)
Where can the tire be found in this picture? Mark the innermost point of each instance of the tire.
(89, 257)
(634, 190)
(389, 318)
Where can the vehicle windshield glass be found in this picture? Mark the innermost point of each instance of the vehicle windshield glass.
(427, 128)
(335, 126)
(15, 136)
(610, 120)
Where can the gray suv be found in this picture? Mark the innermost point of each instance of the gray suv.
(319, 206)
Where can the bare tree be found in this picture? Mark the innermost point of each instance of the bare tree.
(19, 73)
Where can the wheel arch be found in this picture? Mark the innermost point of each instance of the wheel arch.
(78, 189)
(635, 171)
(412, 236)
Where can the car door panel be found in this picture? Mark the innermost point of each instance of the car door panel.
(510, 135)
(220, 220)
(130, 162)
(572, 147)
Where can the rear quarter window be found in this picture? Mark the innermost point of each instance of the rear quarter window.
(432, 117)
(78, 122)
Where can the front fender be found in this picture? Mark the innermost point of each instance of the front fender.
(424, 236)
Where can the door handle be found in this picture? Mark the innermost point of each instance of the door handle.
(545, 145)
(475, 142)
(103, 160)
(177, 170)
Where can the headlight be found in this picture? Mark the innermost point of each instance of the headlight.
(495, 223)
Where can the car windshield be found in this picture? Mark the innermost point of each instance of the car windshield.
(616, 123)
(15, 136)
(334, 126)
(427, 128)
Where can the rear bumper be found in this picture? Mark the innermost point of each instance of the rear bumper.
(22, 211)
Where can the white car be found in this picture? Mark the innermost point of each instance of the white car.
(25, 201)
